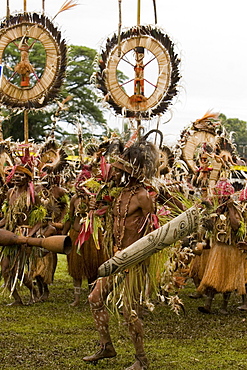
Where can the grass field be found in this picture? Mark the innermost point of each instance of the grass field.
(52, 335)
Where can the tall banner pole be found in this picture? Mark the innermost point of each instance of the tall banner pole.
(155, 12)
(25, 118)
(138, 24)
(138, 12)
(119, 26)
(7, 10)
(43, 7)
(26, 126)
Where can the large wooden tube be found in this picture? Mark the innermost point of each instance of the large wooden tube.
(57, 243)
(9, 238)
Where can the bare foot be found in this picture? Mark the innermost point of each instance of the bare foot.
(136, 366)
(33, 300)
(15, 303)
(243, 307)
(44, 297)
(223, 311)
(204, 309)
(196, 295)
(75, 304)
(140, 364)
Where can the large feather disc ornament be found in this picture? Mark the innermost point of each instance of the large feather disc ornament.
(207, 149)
(152, 72)
(26, 84)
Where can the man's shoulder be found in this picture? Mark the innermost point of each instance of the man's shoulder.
(143, 192)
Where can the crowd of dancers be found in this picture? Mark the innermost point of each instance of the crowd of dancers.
(115, 193)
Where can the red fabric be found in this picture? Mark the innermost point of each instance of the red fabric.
(105, 168)
(243, 195)
(224, 187)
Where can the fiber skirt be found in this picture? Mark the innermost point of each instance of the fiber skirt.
(198, 264)
(84, 265)
(45, 267)
(225, 270)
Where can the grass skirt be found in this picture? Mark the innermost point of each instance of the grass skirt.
(224, 270)
(245, 268)
(84, 266)
(198, 265)
(45, 267)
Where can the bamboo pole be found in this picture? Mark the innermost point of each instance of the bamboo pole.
(43, 7)
(138, 120)
(26, 126)
(7, 10)
(138, 12)
(155, 12)
(25, 5)
(119, 27)
(1, 129)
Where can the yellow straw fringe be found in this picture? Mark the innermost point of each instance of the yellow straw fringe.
(225, 270)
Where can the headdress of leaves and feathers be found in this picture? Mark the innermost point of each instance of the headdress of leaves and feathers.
(58, 164)
(208, 122)
(91, 148)
(166, 160)
(111, 146)
(140, 160)
(47, 152)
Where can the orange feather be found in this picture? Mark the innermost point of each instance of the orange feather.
(68, 4)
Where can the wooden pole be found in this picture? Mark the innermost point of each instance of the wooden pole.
(1, 130)
(138, 12)
(155, 12)
(119, 27)
(43, 7)
(26, 126)
(7, 10)
(25, 111)
(138, 120)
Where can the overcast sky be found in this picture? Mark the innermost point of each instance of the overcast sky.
(210, 36)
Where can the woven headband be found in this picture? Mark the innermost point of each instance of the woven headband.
(24, 170)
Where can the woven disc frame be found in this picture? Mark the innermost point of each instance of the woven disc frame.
(162, 48)
(37, 27)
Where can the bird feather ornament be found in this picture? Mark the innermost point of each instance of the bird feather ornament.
(68, 4)
(208, 122)
(58, 163)
(208, 116)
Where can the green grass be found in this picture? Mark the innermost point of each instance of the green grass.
(52, 335)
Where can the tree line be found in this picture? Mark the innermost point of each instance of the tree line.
(84, 106)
